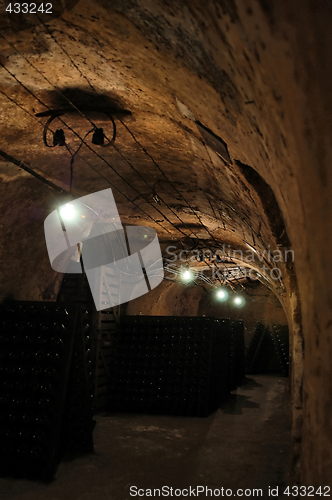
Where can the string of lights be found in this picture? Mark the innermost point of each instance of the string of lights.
(190, 276)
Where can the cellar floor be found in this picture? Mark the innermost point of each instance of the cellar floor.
(245, 444)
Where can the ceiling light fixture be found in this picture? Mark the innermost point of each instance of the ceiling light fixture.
(68, 211)
(186, 275)
(238, 301)
(222, 294)
(59, 138)
(98, 137)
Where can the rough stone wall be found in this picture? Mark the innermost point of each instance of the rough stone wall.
(169, 299)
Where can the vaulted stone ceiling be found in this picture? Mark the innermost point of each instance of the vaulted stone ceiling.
(255, 74)
(161, 70)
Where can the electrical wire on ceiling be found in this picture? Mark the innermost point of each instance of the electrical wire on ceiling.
(48, 81)
(21, 165)
(62, 142)
(142, 147)
(197, 277)
(121, 154)
(206, 148)
(93, 168)
(18, 163)
(229, 259)
(145, 151)
(103, 159)
(82, 140)
(175, 188)
(46, 127)
(159, 168)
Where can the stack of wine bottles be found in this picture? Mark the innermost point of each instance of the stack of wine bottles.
(268, 351)
(281, 340)
(78, 424)
(36, 347)
(237, 354)
(171, 365)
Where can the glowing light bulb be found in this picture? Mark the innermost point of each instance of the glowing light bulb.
(222, 294)
(186, 275)
(67, 211)
(239, 301)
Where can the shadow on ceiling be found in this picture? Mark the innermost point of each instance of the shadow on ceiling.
(70, 98)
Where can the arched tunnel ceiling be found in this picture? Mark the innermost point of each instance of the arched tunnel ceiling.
(157, 63)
